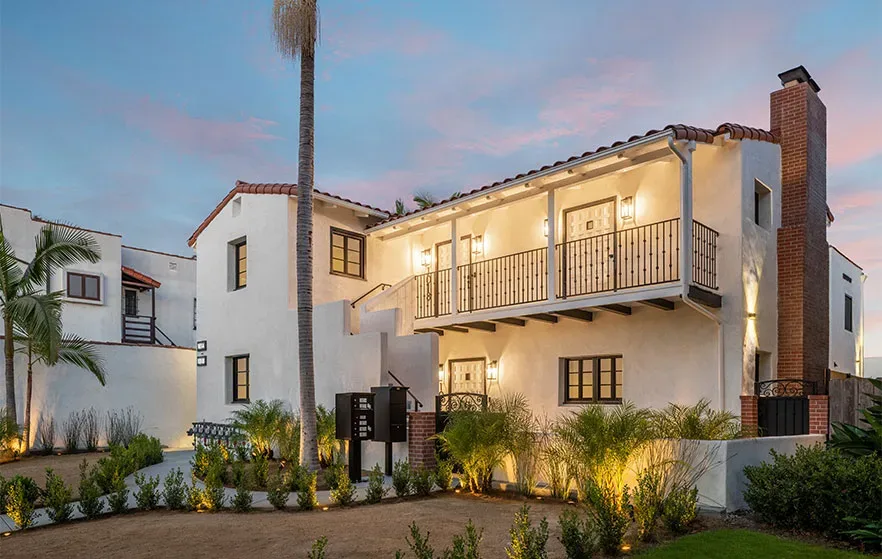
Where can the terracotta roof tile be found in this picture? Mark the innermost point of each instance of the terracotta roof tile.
(680, 132)
(143, 278)
(287, 189)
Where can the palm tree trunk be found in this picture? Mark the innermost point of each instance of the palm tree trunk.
(26, 430)
(9, 351)
(305, 174)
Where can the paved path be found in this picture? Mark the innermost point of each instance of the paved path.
(181, 459)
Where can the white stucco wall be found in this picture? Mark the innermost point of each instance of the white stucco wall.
(159, 382)
(846, 348)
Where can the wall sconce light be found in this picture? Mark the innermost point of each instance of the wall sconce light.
(493, 371)
(426, 258)
(545, 227)
(478, 245)
(628, 208)
(440, 372)
(751, 316)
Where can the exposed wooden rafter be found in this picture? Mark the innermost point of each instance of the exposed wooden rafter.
(511, 321)
(577, 314)
(661, 304)
(544, 317)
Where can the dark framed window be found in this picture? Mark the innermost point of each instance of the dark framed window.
(846, 278)
(592, 378)
(241, 368)
(131, 300)
(83, 286)
(762, 204)
(240, 255)
(849, 313)
(347, 253)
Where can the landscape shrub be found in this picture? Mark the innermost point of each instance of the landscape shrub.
(680, 509)
(698, 422)
(344, 494)
(142, 451)
(527, 541)
(443, 473)
(32, 490)
(276, 491)
(242, 499)
(91, 429)
(259, 423)
(289, 438)
(816, 489)
(118, 498)
(375, 489)
(464, 546)
(326, 436)
(609, 510)
(333, 474)
(418, 543)
(213, 497)
(90, 504)
(174, 490)
(121, 426)
(72, 431)
(306, 499)
(476, 440)
(238, 474)
(57, 498)
(45, 441)
(20, 502)
(9, 434)
(259, 470)
(648, 501)
(522, 441)
(294, 477)
(147, 495)
(577, 535)
(195, 496)
(869, 534)
(318, 548)
(401, 478)
(3, 486)
(554, 465)
(421, 481)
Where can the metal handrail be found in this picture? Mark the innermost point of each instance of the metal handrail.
(401, 384)
(384, 286)
(164, 335)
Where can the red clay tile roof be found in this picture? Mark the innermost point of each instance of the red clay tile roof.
(680, 132)
(143, 278)
(287, 189)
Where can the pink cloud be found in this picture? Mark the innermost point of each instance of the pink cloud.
(363, 33)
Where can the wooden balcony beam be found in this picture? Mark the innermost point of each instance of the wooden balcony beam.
(485, 326)
(623, 310)
(454, 328)
(511, 321)
(544, 317)
(577, 314)
(661, 304)
(429, 331)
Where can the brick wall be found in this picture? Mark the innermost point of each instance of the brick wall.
(799, 120)
(819, 415)
(750, 415)
(420, 447)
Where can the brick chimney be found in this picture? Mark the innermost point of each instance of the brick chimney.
(799, 120)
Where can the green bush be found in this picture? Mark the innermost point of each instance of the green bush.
(118, 499)
(238, 474)
(276, 491)
(259, 422)
(326, 431)
(464, 546)
(259, 470)
(418, 543)
(421, 481)
(318, 548)
(289, 439)
(577, 535)
(206, 456)
(816, 489)
(90, 504)
(680, 509)
(174, 490)
(294, 476)
(375, 489)
(9, 434)
(527, 542)
(344, 494)
(195, 497)
(213, 497)
(147, 495)
(333, 474)
(57, 498)
(648, 501)
(32, 490)
(20, 503)
(443, 473)
(610, 514)
(698, 422)
(476, 440)
(306, 499)
(401, 478)
(142, 451)
(242, 499)
(869, 534)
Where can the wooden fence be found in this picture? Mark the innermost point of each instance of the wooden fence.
(847, 399)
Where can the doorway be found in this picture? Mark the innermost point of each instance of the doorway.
(467, 375)
(589, 249)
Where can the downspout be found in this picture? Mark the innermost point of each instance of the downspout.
(686, 256)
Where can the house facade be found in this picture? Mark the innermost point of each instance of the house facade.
(676, 265)
(137, 306)
(846, 315)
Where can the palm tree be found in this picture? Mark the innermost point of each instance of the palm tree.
(423, 199)
(23, 291)
(296, 31)
(400, 208)
(72, 350)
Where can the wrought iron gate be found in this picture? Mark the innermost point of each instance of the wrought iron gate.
(783, 407)
(457, 401)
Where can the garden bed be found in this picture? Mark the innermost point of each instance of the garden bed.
(67, 466)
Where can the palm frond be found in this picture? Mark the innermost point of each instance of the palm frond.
(59, 246)
(296, 27)
(37, 317)
(10, 270)
(423, 199)
(400, 208)
(76, 351)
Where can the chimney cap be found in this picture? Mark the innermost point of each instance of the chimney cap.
(798, 75)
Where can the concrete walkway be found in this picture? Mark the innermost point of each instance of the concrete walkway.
(181, 459)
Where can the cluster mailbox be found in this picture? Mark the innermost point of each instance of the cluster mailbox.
(355, 416)
(390, 414)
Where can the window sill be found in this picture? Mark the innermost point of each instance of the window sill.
(66, 299)
(580, 403)
(349, 276)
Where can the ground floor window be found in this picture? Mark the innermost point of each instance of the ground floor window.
(592, 378)
(241, 368)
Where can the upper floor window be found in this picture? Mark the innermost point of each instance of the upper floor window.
(240, 264)
(592, 379)
(762, 205)
(131, 302)
(83, 286)
(347, 253)
(849, 316)
(241, 369)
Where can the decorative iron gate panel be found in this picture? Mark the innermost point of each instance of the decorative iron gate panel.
(456, 401)
(782, 407)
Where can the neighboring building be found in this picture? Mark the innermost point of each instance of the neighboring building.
(138, 305)
(681, 264)
(873, 368)
(846, 315)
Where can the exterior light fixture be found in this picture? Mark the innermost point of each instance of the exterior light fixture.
(426, 258)
(628, 208)
(478, 245)
(493, 371)
(441, 372)
(751, 316)
(545, 227)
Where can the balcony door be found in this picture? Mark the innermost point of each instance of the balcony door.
(466, 274)
(468, 375)
(589, 255)
(442, 278)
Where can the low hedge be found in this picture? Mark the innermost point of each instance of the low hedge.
(141, 452)
(816, 489)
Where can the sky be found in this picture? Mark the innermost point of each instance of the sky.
(138, 117)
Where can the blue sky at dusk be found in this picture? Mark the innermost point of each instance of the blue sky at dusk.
(138, 117)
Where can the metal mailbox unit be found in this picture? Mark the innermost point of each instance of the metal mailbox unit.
(355, 423)
(390, 414)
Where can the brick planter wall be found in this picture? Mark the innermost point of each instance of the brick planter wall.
(819, 415)
(420, 447)
(750, 415)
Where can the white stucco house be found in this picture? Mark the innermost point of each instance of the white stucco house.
(846, 315)
(676, 265)
(138, 307)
